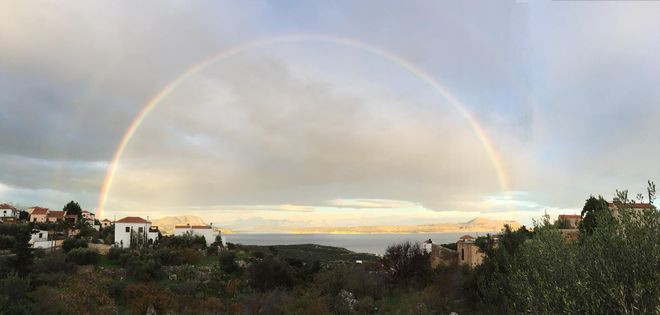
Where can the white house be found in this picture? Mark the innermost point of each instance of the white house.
(8, 213)
(134, 229)
(197, 230)
(106, 223)
(40, 239)
(88, 216)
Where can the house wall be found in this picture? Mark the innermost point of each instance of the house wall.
(38, 218)
(5, 213)
(123, 238)
(41, 235)
(469, 254)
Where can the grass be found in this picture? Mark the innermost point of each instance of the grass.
(107, 263)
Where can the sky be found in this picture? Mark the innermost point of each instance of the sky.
(337, 113)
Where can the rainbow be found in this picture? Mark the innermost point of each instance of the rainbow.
(235, 50)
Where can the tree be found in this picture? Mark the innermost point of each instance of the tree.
(23, 250)
(270, 273)
(73, 208)
(23, 215)
(592, 207)
(407, 262)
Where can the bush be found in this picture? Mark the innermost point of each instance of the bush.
(71, 243)
(145, 266)
(191, 256)
(169, 257)
(51, 264)
(82, 256)
(269, 274)
(115, 252)
(227, 262)
(7, 241)
(407, 263)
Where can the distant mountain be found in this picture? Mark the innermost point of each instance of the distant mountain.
(166, 224)
(474, 225)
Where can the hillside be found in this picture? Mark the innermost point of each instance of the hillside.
(166, 224)
(474, 225)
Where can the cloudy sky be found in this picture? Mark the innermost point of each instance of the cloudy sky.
(329, 116)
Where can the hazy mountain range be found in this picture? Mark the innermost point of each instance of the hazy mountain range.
(166, 226)
(474, 225)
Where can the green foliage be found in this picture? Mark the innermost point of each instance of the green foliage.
(184, 241)
(53, 263)
(73, 208)
(22, 249)
(269, 274)
(614, 268)
(7, 242)
(71, 243)
(23, 215)
(144, 266)
(227, 262)
(14, 297)
(82, 256)
(107, 234)
(592, 207)
(407, 263)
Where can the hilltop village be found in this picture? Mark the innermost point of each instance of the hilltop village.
(71, 262)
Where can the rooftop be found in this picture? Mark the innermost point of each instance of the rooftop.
(39, 211)
(132, 220)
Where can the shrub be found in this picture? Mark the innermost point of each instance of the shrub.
(7, 241)
(407, 262)
(51, 264)
(141, 296)
(169, 257)
(191, 256)
(270, 273)
(145, 266)
(82, 256)
(227, 262)
(71, 243)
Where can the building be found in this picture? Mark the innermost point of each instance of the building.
(38, 214)
(8, 213)
(135, 231)
(197, 230)
(440, 255)
(88, 216)
(468, 252)
(616, 206)
(570, 221)
(55, 216)
(106, 223)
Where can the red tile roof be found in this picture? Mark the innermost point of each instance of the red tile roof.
(39, 211)
(570, 216)
(466, 237)
(7, 206)
(106, 220)
(192, 227)
(56, 214)
(132, 220)
(631, 205)
(85, 211)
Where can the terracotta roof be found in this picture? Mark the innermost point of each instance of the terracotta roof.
(132, 220)
(56, 214)
(39, 211)
(85, 211)
(631, 205)
(570, 216)
(466, 237)
(7, 206)
(106, 220)
(192, 227)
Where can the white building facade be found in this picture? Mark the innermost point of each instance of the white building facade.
(136, 230)
(197, 230)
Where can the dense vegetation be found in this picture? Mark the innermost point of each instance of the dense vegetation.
(612, 268)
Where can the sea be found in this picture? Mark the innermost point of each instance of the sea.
(359, 243)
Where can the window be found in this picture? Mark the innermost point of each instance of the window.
(128, 229)
(462, 254)
(41, 235)
(140, 230)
